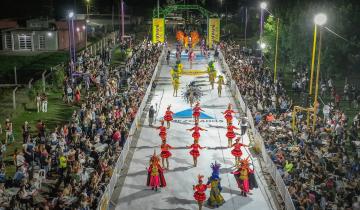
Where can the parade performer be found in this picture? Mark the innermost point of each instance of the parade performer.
(244, 176)
(165, 153)
(220, 83)
(195, 150)
(212, 73)
(155, 176)
(236, 152)
(196, 111)
(230, 133)
(216, 199)
(168, 117)
(191, 57)
(176, 85)
(162, 129)
(228, 114)
(196, 131)
(200, 189)
(192, 93)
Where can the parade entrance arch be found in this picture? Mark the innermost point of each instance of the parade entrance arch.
(159, 15)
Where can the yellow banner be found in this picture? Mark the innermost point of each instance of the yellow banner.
(213, 31)
(158, 34)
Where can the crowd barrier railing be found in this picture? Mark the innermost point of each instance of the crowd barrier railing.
(269, 164)
(105, 199)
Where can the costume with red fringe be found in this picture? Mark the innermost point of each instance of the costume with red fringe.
(155, 176)
(237, 149)
(230, 134)
(228, 114)
(196, 110)
(196, 133)
(200, 189)
(195, 149)
(162, 129)
(168, 115)
(165, 153)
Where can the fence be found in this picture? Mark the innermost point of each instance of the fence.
(269, 164)
(104, 202)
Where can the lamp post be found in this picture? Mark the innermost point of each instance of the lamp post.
(276, 49)
(87, 20)
(319, 20)
(71, 48)
(122, 21)
(263, 7)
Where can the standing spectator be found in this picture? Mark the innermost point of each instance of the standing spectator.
(44, 102)
(8, 131)
(243, 125)
(38, 102)
(25, 131)
(168, 57)
(326, 112)
(69, 95)
(151, 115)
(337, 100)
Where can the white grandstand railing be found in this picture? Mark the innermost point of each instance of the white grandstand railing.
(269, 164)
(105, 199)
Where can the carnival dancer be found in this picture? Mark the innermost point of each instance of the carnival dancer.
(216, 199)
(191, 57)
(155, 176)
(196, 111)
(162, 129)
(212, 73)
(236, 152)
(242, 174)
(230, 134)
(220, 83)
(200, 189)
(228, 114)
(195, 150)
(196, 131)
(168, 117)
(165, 153)
(176, 85)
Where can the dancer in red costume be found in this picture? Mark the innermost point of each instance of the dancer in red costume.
(230, 133)
(155, 176)
(165, 153)
(228, 114)
(196, 111)
(168, 117)
(195, 150)
(196, 129)
(242, 175)
(237, 150)
(200, 189)
(162, 129)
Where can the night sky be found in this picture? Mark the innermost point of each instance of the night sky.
(57, 8)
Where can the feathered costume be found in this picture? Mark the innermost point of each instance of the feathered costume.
(200, 189)
(245, 177)
(192, 93)
(216, 199)
(168, 114)
(155, 176)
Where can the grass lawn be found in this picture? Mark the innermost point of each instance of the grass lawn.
(58, 112)
(28, 66)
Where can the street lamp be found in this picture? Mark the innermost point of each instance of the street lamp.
(72, 43)
(71, 14)
(319, 20)
(87, 20)
(262, 45)
(263, 5)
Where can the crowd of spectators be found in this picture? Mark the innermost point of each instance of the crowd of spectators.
(69, 167)
(321, 168)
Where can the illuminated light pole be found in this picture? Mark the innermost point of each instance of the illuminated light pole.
(276, 49)
(87, 20)
(71, 44)
(122, 21)
(320, 19)
(263, 7)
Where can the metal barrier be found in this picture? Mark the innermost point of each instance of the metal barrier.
(269, 164)
(104, 201)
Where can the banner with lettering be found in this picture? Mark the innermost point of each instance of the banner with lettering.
(158, 34)
(213, 31)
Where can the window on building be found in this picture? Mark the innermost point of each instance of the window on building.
(41, 42)
(8, 41)
(25, 42)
